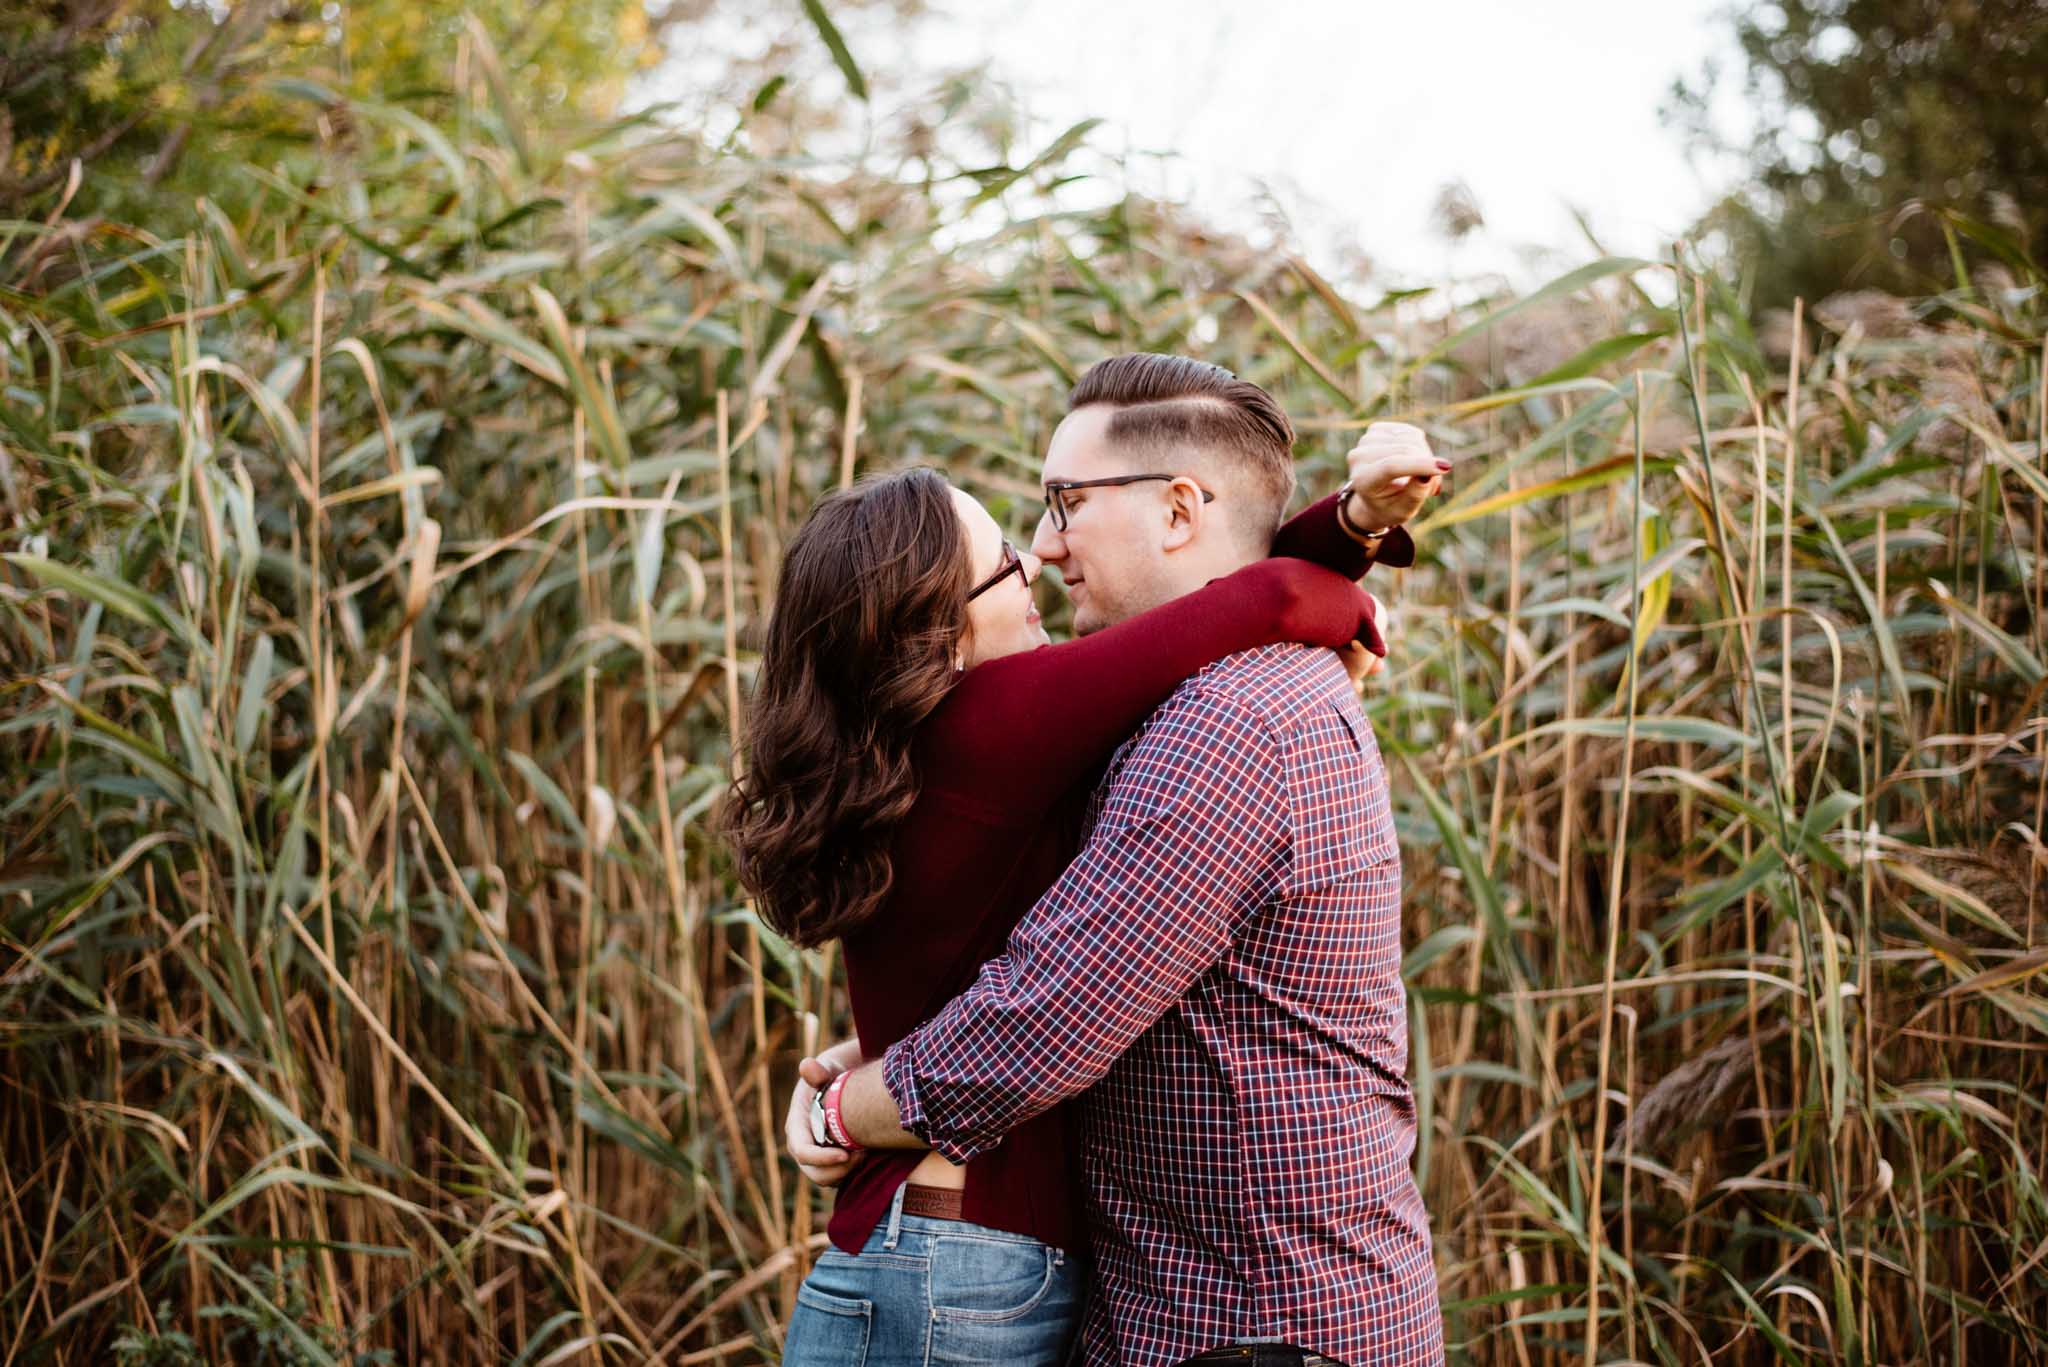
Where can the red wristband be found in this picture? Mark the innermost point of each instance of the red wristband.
(835, 1123)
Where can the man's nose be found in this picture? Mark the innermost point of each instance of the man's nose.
(1047, 543)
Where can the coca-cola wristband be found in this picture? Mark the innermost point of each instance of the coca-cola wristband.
(835, 1122)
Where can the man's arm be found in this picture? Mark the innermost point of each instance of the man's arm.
(1191, 840)
(870, 1115)
(825, 1164)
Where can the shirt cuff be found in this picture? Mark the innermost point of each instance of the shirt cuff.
(900, 1077)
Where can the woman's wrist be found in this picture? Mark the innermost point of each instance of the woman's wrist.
(1368, 537)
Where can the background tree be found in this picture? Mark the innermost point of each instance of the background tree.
(1877, 121)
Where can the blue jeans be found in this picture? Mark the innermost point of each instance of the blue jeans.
(925, 1292)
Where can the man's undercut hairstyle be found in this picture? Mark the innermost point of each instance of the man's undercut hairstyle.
(1165, 404)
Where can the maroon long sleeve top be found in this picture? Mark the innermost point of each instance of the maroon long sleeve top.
(1006, 764)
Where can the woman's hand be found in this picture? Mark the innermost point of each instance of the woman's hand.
(1392, 474)
(825, 1164)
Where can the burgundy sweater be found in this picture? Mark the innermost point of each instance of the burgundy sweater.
(1006, 764)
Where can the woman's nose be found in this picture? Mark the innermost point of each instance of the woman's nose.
(1032, 565)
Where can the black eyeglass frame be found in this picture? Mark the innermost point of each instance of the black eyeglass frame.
(1056, 492)
(1013, 563)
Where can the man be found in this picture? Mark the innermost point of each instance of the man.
(1217, 975)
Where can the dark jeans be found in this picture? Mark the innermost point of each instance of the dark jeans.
(1259, 1355)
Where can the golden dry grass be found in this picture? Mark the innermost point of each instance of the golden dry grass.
(382, 565)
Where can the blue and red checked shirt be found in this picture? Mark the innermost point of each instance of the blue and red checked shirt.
(1007, 767)
(1217, 977)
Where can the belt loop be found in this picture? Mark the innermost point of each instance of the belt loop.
(895, 1218)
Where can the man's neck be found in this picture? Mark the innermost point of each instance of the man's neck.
(1197, 572)
(1182, 575)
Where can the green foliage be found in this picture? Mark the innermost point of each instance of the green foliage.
(159, 102)
(76, 81)
(1877, 122)
(369, 552)
(136, 1347)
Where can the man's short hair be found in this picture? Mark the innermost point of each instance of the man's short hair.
(1165, 403)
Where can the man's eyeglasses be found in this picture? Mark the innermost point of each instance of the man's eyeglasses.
(1012, 564)
(1057, 491)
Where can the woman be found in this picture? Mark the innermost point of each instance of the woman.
(919, 757)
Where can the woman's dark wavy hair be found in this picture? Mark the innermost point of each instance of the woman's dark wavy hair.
(869, 609)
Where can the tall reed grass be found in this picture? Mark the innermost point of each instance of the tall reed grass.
(382, 567)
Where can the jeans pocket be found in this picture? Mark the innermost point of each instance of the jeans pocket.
(1009, 1303)
(989, 1279)
(827, 1330)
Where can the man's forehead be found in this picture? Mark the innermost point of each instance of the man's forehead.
(1079, 448)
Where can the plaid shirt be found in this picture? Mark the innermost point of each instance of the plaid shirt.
(1219, 974)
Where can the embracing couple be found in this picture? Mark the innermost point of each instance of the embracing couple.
(1121, 916)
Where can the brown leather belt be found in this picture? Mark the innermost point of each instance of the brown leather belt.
(934, 1203)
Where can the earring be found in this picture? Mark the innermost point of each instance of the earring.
(959, 664)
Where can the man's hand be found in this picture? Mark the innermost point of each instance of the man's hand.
(825, 1164)
(1361, 664)
(1392, 473)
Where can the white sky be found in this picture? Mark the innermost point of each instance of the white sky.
(1354, 113)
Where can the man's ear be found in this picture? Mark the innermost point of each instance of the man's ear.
(1184, 514)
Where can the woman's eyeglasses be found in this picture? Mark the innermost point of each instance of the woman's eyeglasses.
(1012, 564)
(1056, 493)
